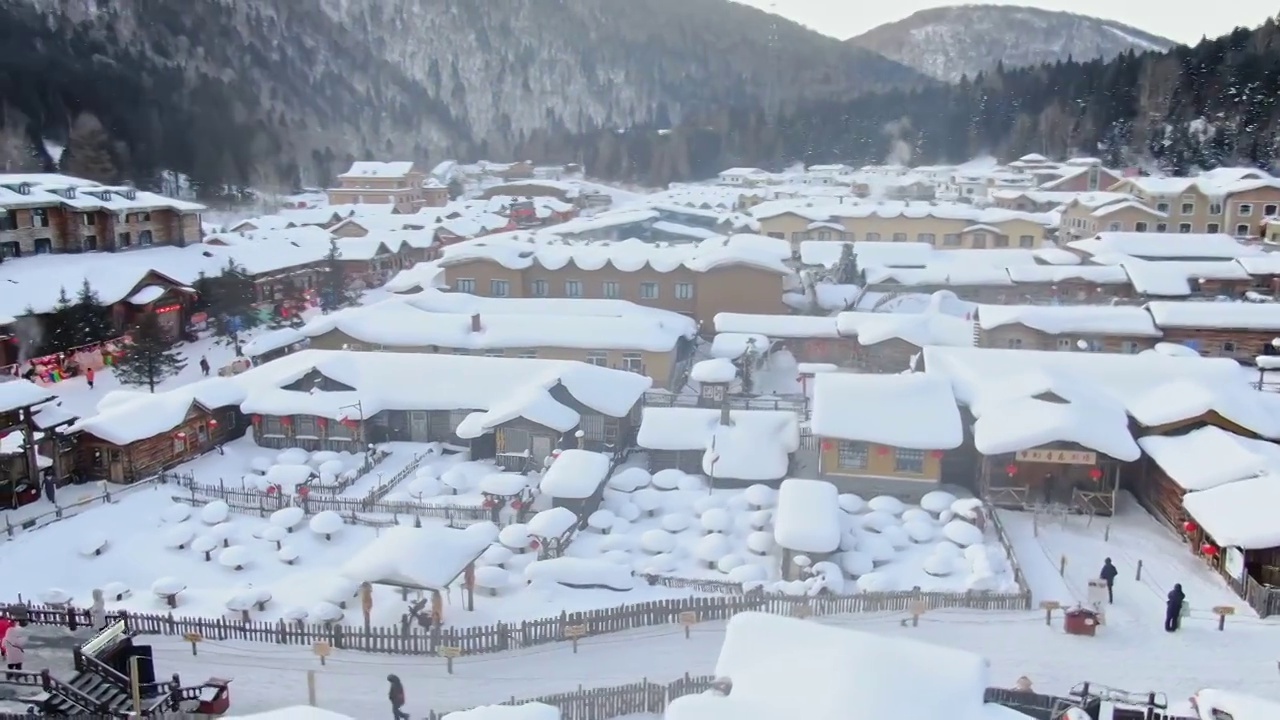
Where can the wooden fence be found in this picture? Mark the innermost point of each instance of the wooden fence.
(408, 638)
(61, 512)
(604, 703)
(993, 519)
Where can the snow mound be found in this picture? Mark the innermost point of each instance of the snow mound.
(235, 557)
(716, 520)
(326, 523)
(962, 533)
(424, 486)
(579, 572)
(667, 479)
(713, 547)
(967, 508)
(601, 520)
(875, 582)
(657, 541)
(886, 504)
(856, 564)
(676, 522)
(176, 513)
(630, 479)
(920, 532)
(91, 544)
(215, 512)
(878, 520)
(288, 518)
(852, 504)
(179, 536)
(916, 515)
(937, 501)
(761, 496)
(749, 573)
(293, 456)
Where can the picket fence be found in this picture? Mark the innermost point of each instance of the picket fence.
(409, 638)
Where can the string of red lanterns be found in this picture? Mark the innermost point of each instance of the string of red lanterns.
(1190, 527)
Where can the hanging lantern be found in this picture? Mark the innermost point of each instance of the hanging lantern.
(1209, 549)
(1011, 469)
(180, 435)
(488, 503)
(287, 421)
(882, 450)
(213, 422)
(272, 489)
(937, 454)
(534, 544)
(1190, 527)
(1095, 474)
(517, 504)
(322, 423)
(827, 445)
(303, 491)
(256, 419)
(348, 423)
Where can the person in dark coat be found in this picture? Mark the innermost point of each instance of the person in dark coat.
(1173, 610)
(204, 365)
(1109, 574)
(396, 696)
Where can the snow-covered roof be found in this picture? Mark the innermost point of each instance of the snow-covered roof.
(428, 558)
(126, 417)
(272, 340)
(949, 274)
(401, 323)
(1095, 274)
(930, 327)
(777, 326)
(375, 169)
(47, 189)
(785, 667)
(756, 447)
(1237, 705)
(1173, 278)
(823, 210)
(1240, 513)
(916, 411)
(807, 518)
(433, 300)
(1165, 246)
(625, 256)
(18, 393)
(1257, 317)
(1071, 319)
(1210, 456)
(575, 474)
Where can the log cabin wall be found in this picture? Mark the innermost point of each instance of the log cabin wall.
(1025, 338)
(201, 431)
(837, 351)
(888, 356)
(1157, 492)
(1071, 292)
(1242, 345)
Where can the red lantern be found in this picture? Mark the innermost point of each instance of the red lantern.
(1011, 469)
(180, 434)
(303, 491)
(517, 504)
(1095, 474)
(882, 450)
(828, 445)
(1190, 527)
(534, 544)
(256, 419)
(937, 454)
(348, 423)
(1209, 550)
(272, 489)
(488, 503)
(287, 421)
(213, 422)
(322, 423)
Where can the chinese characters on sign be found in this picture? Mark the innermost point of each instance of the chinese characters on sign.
(1058, 457)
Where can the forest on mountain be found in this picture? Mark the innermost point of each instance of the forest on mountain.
(282, 93)
(1191, 107)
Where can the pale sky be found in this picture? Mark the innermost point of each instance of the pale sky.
(1184, 22)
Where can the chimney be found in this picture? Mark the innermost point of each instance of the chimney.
(725, 419)
(475, 323)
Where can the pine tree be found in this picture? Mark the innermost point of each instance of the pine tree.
(846, 269)
(455, 189)
(89, 152)
(59, 325)
(148, 359)
(91, 319)
(231, 307)
(335, 293)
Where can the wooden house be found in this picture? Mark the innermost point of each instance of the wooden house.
(20, 455)
(1240, 331)
(1067, 328)
(575, 479)
(897, 449)
(734, 448)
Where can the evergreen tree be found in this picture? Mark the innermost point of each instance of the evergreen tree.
(455, 189)
(846, 271)
(148, 359)
(59, 326)
(231, 305)
(92, 320)
(335, 292)
(89, 152)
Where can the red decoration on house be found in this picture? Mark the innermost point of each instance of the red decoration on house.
(1209, 550)
(1011, 469)
(882, 450)
(488, 503)
(1095, 474)
(5, 434)
(287, 421)
(322, 423)
(937, 454)
(828, 445)
(256, 419)
(272, 489)
(534, 544)
(213, 422)
(1190, 527)
(348, 423)
(517, 504)
(303, 491)
(180, 434)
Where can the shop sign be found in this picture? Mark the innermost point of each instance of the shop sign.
(1058, 457)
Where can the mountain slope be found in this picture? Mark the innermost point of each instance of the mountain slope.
(232, 91)
(949, 42)
(1190, 108)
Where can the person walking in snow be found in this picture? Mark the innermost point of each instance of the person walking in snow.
(88, 376)
(396, 696)
(1173, 609)
(1109, 573)
(204, 365)
(15, 646)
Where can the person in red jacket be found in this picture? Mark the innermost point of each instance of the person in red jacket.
(396, 696)
(5, 624)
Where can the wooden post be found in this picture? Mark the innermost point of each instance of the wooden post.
(366, 604)
(134, 685)
(688, 620)
(311, 688)
(1049, 606)
(1062, 566)
(469, 584)
(1222, 611)
(1138, 576)
(449, 653)
(575, 633)
(195, 639)
(322, 649)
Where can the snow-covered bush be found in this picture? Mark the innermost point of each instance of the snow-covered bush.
(916, 515)
(876, 521)
(325, 612)
(920, 532)
(760, 542)
(515, 537)
(274, 534)
(896, 536)
(676, 522)
(760, 519)
(666, 480)
(647, 500)
(116, 591)
(492, 580)
(288, 554)
(179, 536)
(748, 573)
(711, 548)
(856, 564)
(91, 544)
(628, 480)
(727, 563)
(601, 521)
(175, 513)
(880, 549)
(939, 565)
(761, 496)
(205, 545)
(852, 504)
(875, 582)
(657, 541)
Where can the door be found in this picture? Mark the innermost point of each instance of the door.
(116, 466)
(418, 426)
(541, 448)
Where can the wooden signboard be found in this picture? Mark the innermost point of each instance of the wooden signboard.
(688, 620)
(575, 633)
(322, 650)
(195, 639)
(449, 653)
(1058, 457)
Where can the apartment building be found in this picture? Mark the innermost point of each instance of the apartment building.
(42, 214)
(687, 279)
(399, 184)
(1235, 201)
(1094, 213)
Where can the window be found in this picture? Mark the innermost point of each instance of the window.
(824, 234)
(1064, 344)
(88, 219)
(597, 357)
(1014, 343)
(39, 217)
(466, 285)
(44, 246)
(573, 288)
(527, 354)
(951, 240)
(144, 217)
(1162, 207)
(979, 240)
(1129, 347)
(179, 444)
(684, 291)
(10, 249)
(1188, 208)
(1162, 227)
(540, 288)
(899, 237)
(1026, 241)
(1213, 228)
(1228, 347)
(90, 242)
(1242, 230)
(461, 351)
(873, 237)
(778, 235)
(909, 461)
(1115, 227)
(305, 426)
(144, 238)
(611, 289)
(633, 362)
(852, 456)
(1246, 209)
(1001, 241)
(593, 427)
(336, 430)
(499, 288)
(926, 238)
(1269, 210)
(1215, 208)
(8, 221)
(1184, 228)
(495, 353)
(649, 291)
(271, 425)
